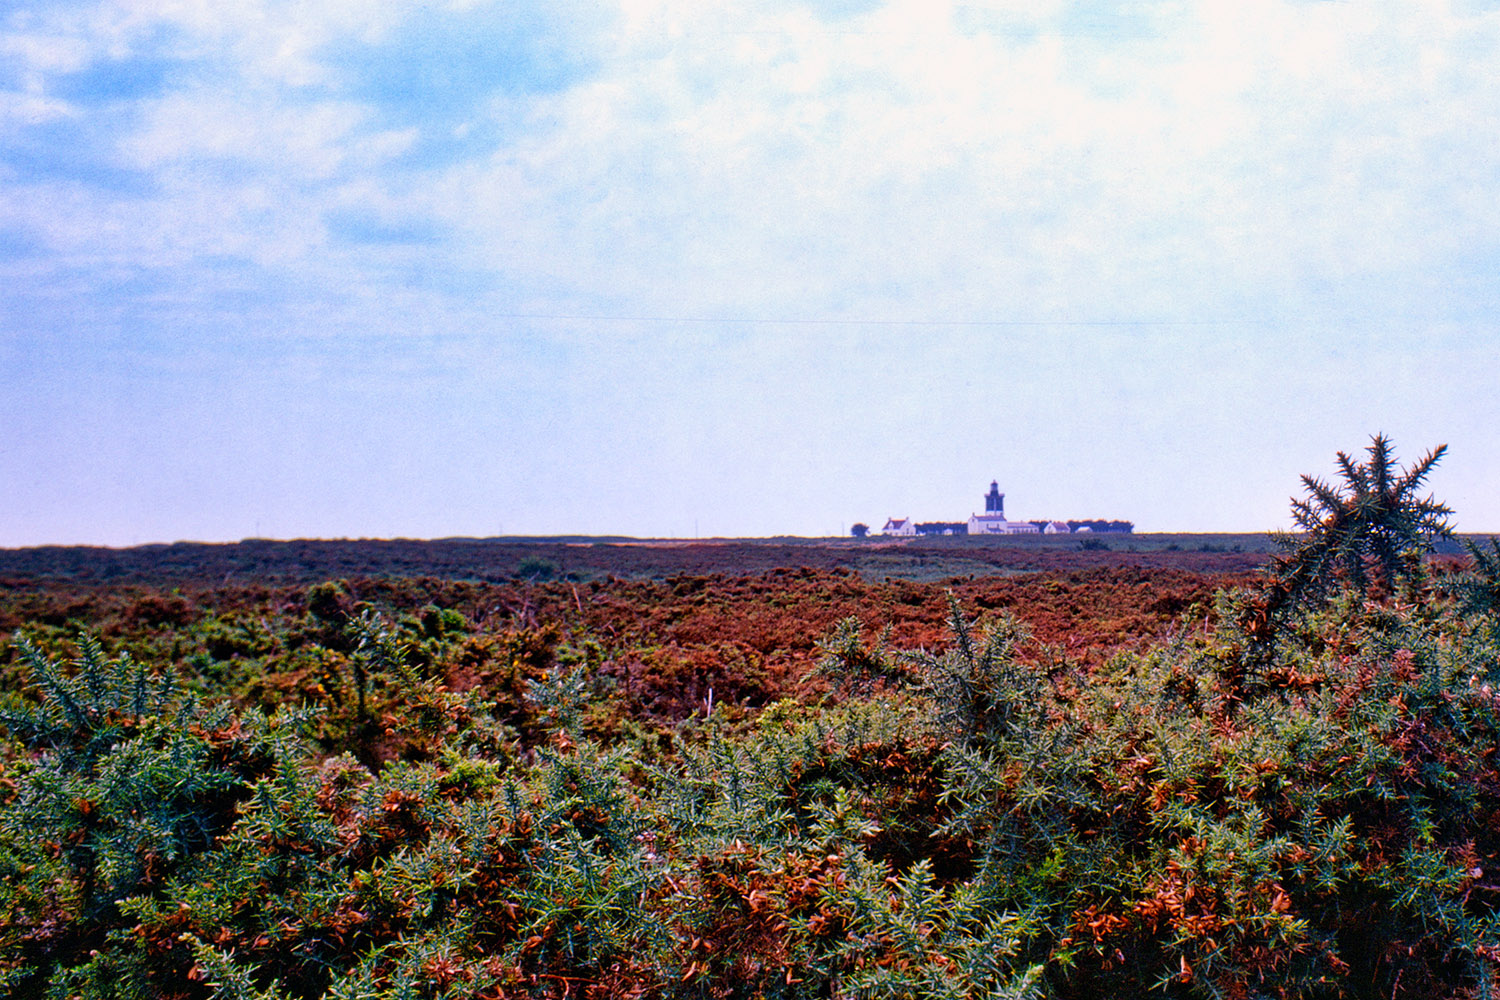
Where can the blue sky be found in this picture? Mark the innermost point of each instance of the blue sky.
(664, 268)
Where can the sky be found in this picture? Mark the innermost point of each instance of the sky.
(667, 268)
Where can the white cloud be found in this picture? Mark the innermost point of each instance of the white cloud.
(42, 51)
(1238, 135)
(959, 161)
(31, 109)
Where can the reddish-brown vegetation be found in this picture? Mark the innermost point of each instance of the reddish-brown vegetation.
(669, 645)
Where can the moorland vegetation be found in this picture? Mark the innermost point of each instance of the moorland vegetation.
(796, 784)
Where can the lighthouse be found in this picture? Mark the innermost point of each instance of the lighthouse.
(993, 522)
(994, 501)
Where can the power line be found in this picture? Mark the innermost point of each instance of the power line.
(815, 321)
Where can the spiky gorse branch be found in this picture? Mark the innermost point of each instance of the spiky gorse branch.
(1366, 532)
(87, 711)
(1479, 590)
(852, 664)
(980, 689)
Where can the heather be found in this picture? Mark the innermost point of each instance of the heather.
(1120, 783)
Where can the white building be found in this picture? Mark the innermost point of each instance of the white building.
(899, 526)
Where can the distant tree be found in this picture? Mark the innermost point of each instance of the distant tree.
(860, 530)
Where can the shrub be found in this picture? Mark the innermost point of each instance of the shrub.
(1368, 533)
(117, 785)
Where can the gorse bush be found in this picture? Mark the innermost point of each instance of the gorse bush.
(114, 787)
(1479, 590)
(1295, 795)
(1365, 535)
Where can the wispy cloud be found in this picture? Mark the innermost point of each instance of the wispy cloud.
(908, 159)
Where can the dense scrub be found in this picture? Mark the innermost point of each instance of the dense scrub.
(661, 646)
(1291, 791)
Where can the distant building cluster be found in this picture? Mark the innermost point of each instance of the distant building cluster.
(993, 522)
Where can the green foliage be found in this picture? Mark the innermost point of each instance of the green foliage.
(1367, 533)
(1301, 811)
(973, 836)
(82, 716)
(982, 691)
(1479, 589)
(573, 691)
(329, 601)
(535, 569)
(853, 665)
(114, 787)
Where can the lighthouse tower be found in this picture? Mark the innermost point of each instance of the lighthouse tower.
(994, 502)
